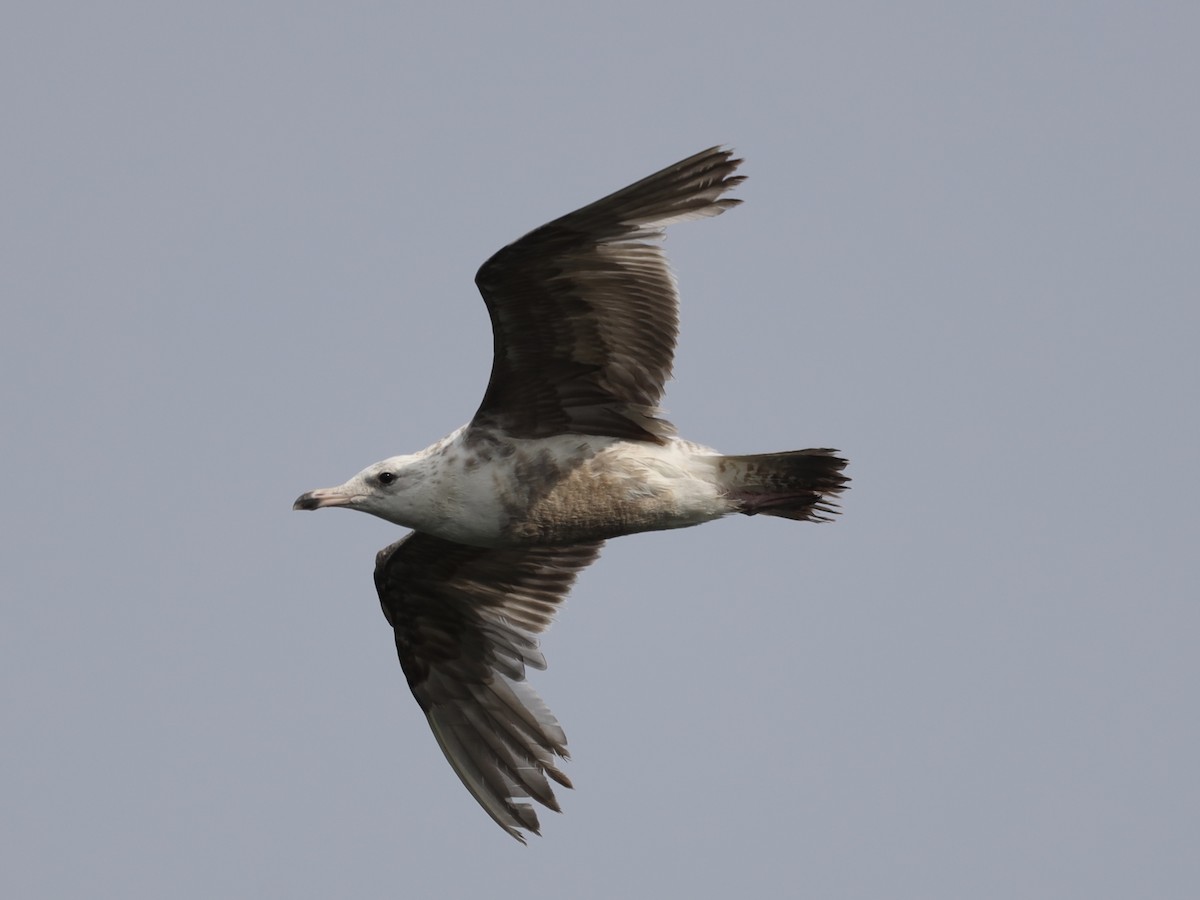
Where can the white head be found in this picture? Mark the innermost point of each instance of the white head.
(385, 489)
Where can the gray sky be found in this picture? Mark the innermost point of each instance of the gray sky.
(238, 245)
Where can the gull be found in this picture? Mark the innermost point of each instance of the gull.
(568, 449)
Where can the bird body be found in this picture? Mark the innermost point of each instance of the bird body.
(567, 449)
(480, 490)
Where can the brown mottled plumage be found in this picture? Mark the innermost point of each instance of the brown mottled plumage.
(567, 449)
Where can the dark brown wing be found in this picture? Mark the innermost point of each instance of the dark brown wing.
(465, 620)
(585, 311)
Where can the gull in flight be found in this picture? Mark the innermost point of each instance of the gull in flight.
(567, 449)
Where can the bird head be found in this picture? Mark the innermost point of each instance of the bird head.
(378, 489)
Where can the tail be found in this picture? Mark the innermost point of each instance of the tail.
(798, 484)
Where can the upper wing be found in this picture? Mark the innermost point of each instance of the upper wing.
(465, 619)
(585, 312)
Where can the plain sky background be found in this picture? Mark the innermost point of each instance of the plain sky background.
(238, 242)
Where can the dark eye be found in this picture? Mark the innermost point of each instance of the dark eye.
(386, 477)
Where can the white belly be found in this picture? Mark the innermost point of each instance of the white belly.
(570, 489)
